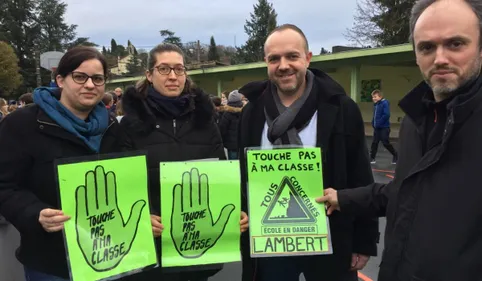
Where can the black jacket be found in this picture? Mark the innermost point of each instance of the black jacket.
(341, 136)
(29, 143)
(433, 206)
(229, 127)
(194, 135)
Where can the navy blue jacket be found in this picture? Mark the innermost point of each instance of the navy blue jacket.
(381, 114)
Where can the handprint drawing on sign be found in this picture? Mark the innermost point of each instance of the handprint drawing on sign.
(103, 235)
(193, 229)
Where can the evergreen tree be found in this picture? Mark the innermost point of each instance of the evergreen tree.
(169, 37)
(55, 34)
(381, 23)
(134, 66)
(18, 29)
(261, 23)
(213, 54)
(82, 41)
(113, 46)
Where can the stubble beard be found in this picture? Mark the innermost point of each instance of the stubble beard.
(446, 90)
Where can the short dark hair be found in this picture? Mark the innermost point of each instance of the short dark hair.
(107, 98)
(26, 98)
(151, 62)
(293, 27)
(216, 100)
(114, 96)
(421, 5)
(76, 56)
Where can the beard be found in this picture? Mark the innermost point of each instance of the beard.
(443, 89)
(291, 89)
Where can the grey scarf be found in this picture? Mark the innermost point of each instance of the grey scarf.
(283, 124)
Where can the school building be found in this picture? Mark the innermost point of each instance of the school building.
(392, 69)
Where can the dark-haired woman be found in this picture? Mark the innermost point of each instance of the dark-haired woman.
(69, 121)
(174, 121)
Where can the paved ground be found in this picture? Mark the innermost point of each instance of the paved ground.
(10, 269)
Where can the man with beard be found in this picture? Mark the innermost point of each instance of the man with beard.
(433, 206)
(301, 106)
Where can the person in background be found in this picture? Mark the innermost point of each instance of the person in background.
(113, 108)
(68, 121)
(381, 126)
(108, 101)
(218, 107)
(224, 99)
(118, 92)
(12, 108)
(119, 111)
(229, 123)
(25, 99)
(3, 108)
(173, 120)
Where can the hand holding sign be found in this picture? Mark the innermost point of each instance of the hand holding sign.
(193, 229)
(102, 234)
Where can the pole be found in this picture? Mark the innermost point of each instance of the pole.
(37, 68)
(198, 51)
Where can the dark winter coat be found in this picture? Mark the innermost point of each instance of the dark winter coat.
(381, 114)
(30, 142)
(433, 206)
(346, 165)
(194, 135)
(229, 127)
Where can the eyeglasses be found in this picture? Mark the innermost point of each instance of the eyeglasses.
(165, 69)
(81, 78)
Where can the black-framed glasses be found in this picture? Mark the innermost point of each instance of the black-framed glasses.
(81, 78)
(165, 69)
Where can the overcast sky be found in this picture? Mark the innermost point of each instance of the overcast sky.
(141, 20)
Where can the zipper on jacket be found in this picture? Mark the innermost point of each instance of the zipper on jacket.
(102, 137)
(174, 125)
(375, 117)
(47, 123)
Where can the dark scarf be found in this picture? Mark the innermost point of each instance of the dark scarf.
(90, 131)
(170, 107)
(285, 123)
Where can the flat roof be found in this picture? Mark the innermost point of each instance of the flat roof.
(351, 54)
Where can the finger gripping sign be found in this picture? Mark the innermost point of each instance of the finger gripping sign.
(109, 232)
(285, 220)
(200, 204)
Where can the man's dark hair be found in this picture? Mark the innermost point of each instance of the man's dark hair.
(114, 96)
(421, 5)
(293, 27)
(26, 98)
(216, 100)
(107, 98)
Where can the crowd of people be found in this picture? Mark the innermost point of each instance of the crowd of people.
(432, 205)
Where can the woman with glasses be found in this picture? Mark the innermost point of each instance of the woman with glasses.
(173, 120)
(64, 122)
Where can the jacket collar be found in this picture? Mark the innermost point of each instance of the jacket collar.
(465, 101)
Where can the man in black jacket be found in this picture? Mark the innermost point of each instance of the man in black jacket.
(301, 106)
(433, 206)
